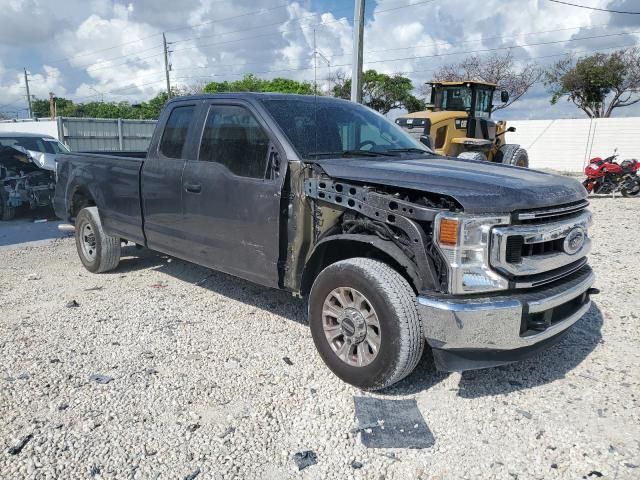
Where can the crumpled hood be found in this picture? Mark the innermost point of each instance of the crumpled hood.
(480, 187)
(17, 154)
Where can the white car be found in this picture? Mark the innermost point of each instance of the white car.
(27, 171)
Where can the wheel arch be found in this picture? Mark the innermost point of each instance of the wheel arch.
(79, 197)
(344, 246)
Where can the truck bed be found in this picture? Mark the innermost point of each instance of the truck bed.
(113, 181)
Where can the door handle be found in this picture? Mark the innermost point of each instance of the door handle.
(193, 187)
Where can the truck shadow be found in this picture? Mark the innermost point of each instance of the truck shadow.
(268, 299)
(545, 367)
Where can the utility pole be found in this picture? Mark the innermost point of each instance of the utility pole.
(26, 84)
(52, 106)
(358, 34)
(167, 67)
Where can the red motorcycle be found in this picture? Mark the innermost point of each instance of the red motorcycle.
(607, 176)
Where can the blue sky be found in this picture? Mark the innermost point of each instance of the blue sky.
(92, 49)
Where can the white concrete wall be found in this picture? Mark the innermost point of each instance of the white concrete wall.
(43, 127)
(567, 145)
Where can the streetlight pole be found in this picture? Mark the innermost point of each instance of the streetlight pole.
(358, 34)
(167, 67)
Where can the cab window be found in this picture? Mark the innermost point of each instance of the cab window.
(233, 137)
(175, 132)
(483, 103)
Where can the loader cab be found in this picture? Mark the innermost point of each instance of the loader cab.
(473, 98)
(458, 119)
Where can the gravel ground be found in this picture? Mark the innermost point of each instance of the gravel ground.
(200, 388)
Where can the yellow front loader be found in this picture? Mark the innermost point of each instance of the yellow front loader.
(458, 124)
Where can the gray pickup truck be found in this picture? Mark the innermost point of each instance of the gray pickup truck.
(392, 246)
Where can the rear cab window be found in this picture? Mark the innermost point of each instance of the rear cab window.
(176, 130)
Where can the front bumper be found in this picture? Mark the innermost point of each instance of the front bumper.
(471, 333)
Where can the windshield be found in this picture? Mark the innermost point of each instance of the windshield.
(328, 126)
(36, 144)
(455, 98)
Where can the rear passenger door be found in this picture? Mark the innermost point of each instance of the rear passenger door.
(231, 194)
(161, 178)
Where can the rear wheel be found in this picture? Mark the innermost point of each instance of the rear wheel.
(98, 251)
(6, 211)
(365, 323)
(631, 189)
(473, 156)
(512, 154)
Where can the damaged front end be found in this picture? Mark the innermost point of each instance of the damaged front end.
(27, 178)
(397, 222)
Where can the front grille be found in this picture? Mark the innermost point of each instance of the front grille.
(532, 252)
(551, 213)
(516, 248)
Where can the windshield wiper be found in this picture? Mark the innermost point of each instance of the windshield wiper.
(353, 153)
(408, 150)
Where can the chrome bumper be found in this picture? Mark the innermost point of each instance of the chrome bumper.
(496, 323)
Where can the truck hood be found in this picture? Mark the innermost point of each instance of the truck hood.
(480, 187)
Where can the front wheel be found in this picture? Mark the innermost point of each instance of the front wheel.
(98, 251)
(512, 154)
(7, 212)
(478, 156)
(365, 323)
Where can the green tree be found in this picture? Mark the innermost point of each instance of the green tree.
(251, 83)
(41, 107)
(382, 92)
(598, 83)
(67, 108)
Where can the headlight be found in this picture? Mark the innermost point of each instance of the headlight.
(464, 242)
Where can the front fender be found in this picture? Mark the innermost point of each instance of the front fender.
(343, 246)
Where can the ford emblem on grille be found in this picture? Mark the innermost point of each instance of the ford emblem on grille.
(574, 241)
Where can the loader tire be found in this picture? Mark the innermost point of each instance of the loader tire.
(514, 155)
(481, 157)
(98, 251)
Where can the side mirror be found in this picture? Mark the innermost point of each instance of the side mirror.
(274, 165)
(504, 96)
(426, 140)
(511, 129)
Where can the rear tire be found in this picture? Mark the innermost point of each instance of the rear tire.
(365, 289)
(514, 155)
(98, 251)
(631, 193)
(479, 156)
(6, 212)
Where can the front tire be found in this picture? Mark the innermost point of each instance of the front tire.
(6, 211)
(365, 323)
(479, 156)
(514, 155)
(98, 251)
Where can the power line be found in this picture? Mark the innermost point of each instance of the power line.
(157, 82)
(58, 61)
(417, 57)
(595, 8)
(469, 52)
(321, 24)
